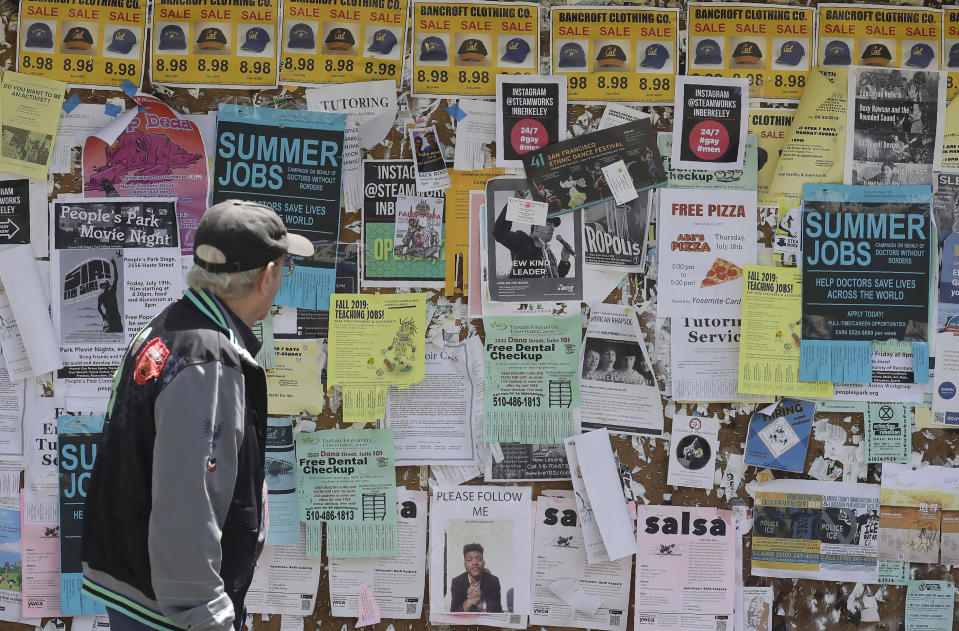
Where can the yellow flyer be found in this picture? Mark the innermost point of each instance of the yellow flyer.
(222, 43)
(950, 50)
(625, 54)
(342, 41)
(459, 47)
(948, 158)
(769, 336)
(458, 224)
(771, 46)
(376, 341)
(874, 35)
(770, 127)
(293, 384)
(89, 43)
(30, 109)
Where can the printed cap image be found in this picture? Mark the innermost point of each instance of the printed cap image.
(954, 56)
(837, 54)
(339, 39)
(655, 56)
(39, 36)
(123, 41)
(747, 53)
(876, 55)
(432, 49)
(211, 38)
(763, 156)
(791, 53)
(172, 38)
(301, 36)
(920, 56)
(383, 42)
(611, 55)
(516, 50)
(472, 50)
(708, 52)
(257, 40)
(78, 38)
(572, 55)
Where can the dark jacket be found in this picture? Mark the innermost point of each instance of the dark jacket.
(527, 252)
(489, 585)
(174, 509)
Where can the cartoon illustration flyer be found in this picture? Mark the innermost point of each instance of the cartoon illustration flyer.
(225, 43)
(460, 47)
(91, 44)
(625, 54)
(342, 41)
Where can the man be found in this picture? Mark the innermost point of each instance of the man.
(107, 305)
(532, 256)
(174, 517)
(886, 177)
(476, 589)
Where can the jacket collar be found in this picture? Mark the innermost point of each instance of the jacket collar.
(209, 306)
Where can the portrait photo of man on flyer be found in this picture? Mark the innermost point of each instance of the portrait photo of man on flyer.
(476, 589)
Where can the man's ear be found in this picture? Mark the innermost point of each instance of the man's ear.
(266, 276)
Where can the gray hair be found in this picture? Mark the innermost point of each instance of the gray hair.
(227, 284)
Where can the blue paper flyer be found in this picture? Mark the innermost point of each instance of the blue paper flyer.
(778, 439)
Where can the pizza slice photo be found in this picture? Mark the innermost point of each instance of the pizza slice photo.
(721, 271)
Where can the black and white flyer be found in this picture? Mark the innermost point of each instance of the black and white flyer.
(481, 540)
(710, 125)
(692, 451)
(428, 162)
(530, 114)
(617, 384)
(529, 263)
(569, 175)
(614, 235)
(895, 125)
(113, 266)
(525, 462)
(866, 259)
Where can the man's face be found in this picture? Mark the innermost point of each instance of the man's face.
(474, 564)
(543, 233)
(886, 172)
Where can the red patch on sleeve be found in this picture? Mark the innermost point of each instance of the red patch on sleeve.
(150, 361)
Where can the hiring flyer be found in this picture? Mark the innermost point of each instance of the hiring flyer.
(770, 46)
(459, 47)
(532, 390)
(705, 238)
(31, 114)
(910, 512)
(396, 582)
(342, 41)
(827, 531)
(779, 438)
(347, 479)
(96, 44)
(711, 116)
(770, 127)
(615, 53)
(950, 50)
(488, 532)
(376, 341)
(227, 44)
(289, 160)
(567, 591)
(685, 568)
(530, 114)
(865, 278)
(875, 35)
(570, 175)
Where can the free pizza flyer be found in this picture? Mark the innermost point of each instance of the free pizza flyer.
(705, 239)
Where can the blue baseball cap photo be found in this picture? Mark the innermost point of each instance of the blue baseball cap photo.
(837, 54)
(655, 56)
(123, 41)
(172, 37)
(920, 55)
(39, 35)
(302, 36)
(257, 39)
(953, 56)
(383, 42)
(708, 52)
(791, 53)
(516, 50)
(433, 49)
(572, 55)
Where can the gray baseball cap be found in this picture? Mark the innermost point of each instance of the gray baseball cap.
(235, 236)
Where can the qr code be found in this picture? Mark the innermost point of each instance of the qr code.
(939, 417)
(515, 618)
(721, 623)
(410, 609)
(306, 605)
(614, 619)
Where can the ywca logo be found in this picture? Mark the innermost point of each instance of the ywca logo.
(695, 423)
